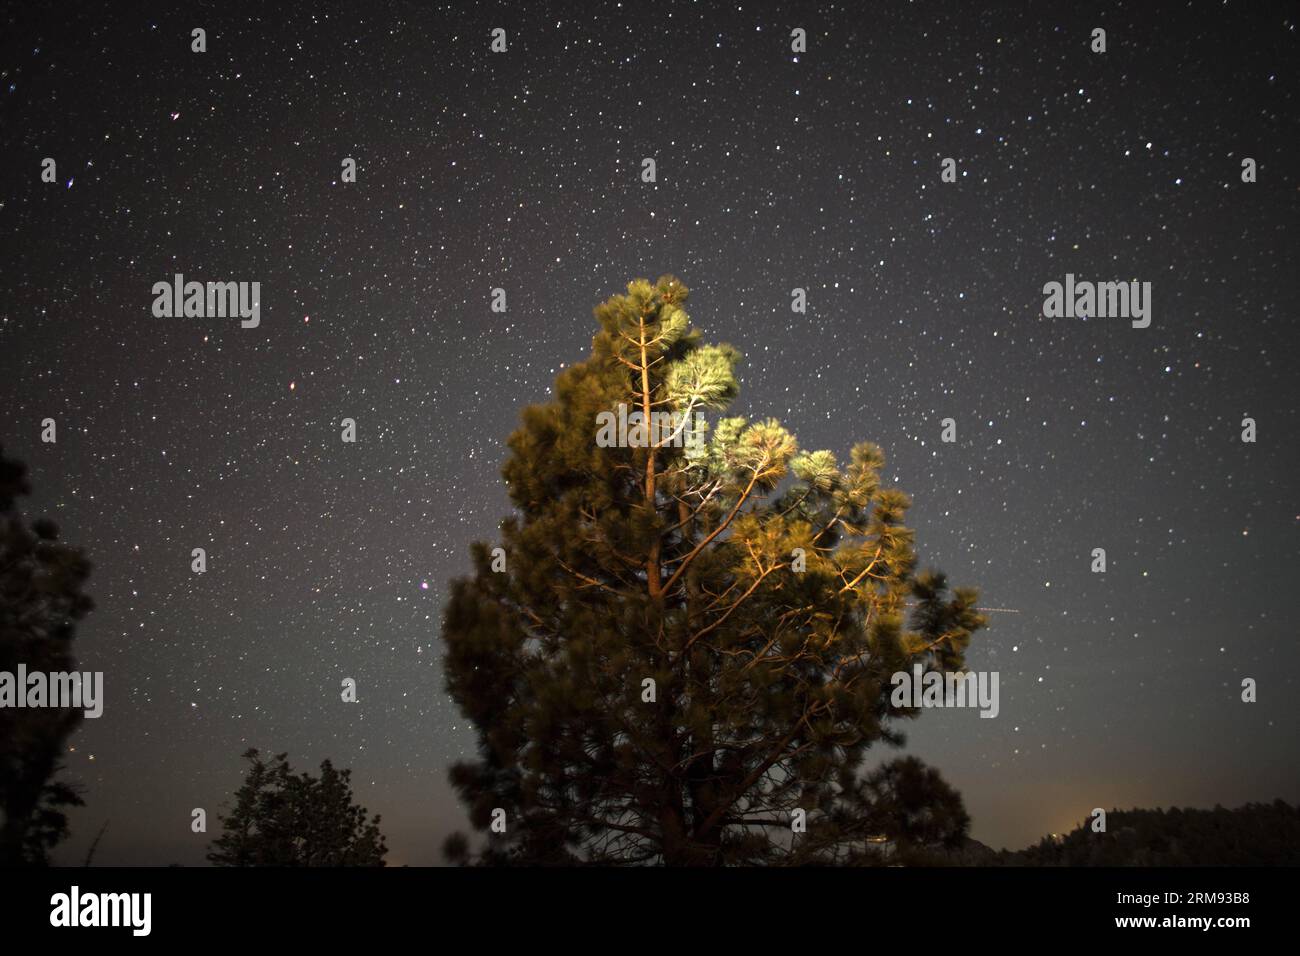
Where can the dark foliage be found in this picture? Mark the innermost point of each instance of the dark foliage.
(1257, 834)
(286, 819)
(41, 600)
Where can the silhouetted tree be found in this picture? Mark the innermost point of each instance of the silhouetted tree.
(41, 600)
(286, 819)
(916, 810)
(689, 632)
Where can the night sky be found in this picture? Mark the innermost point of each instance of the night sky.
(775, 170)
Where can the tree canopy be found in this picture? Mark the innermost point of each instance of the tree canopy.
(41, 601)
(285, 819)
(691, 634)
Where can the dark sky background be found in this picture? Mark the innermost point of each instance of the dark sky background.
(775, 171)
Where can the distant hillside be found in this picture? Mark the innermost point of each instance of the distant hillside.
(1257, 834)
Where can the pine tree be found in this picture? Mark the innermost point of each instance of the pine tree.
(914, 810)
(286, 819)
(693, 633)
(41, 600)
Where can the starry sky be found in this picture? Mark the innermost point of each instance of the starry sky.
(775, 170)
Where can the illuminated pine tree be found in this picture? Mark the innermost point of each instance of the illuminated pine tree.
(691, 640)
